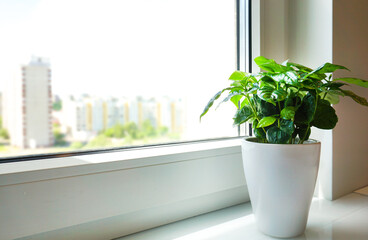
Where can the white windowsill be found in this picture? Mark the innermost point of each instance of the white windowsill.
(37, 170)
(344, 218)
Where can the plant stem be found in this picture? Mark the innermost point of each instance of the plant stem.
(302, 140)
(278, 120)
(324, 95)
(254, 111)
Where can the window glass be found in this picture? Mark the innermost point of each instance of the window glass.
(79, 75)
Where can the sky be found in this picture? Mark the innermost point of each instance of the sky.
(123, 47)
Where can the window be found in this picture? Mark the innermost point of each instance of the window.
(85, 75)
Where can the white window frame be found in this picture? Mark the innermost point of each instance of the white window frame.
(116, 193)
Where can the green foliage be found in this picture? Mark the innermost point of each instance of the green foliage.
(325, 116)
(265, 122)
(59, 138)
(242, 115)
(99, 142)
(76, 145)
(130, 131)
(57, 106)
(117, 131)
(277, 135)
(285, 100)
(148, 130)
(356, 81)
(4, 133)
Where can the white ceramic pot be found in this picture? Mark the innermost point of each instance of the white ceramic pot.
(281, 179)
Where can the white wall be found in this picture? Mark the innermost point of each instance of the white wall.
(274, 29)
(350, 144)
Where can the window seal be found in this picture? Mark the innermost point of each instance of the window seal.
(107, 150)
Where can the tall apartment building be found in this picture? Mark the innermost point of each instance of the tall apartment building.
(28, 105)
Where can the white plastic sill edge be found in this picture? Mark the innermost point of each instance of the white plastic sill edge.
(45, 169)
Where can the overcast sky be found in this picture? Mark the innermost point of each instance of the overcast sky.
(120, 46)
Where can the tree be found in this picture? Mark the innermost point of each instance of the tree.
(132, 130)
(59, 138)
(57, 105)
(148, 130)
(116, 131)
(4, 133)
(99, 142)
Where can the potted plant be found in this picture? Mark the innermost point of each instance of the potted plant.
(281, 163)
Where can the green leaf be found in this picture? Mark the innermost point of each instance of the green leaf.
(264, 108)
(288, 112)
(210, 103)
(327, 68)
(333, 85)
(308, 84)
(325, 116)
(269, 94)
(336, 92)
(259, 133)
(267, 81)
(279, 95)
(270, 65)
(265, 94)
(287, 126)
(244, 102)
(330, 97)
(356, 98)
(242, 115)
(289, 77)
(266, 121)
(356, 81)
(238, 75)
(290, 99)
(230, 96)
(300, 67)
(237, 84)
(236, 100)
(305, 69)
(305, 113)
(277, 135)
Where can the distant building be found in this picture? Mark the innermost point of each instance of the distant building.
(74, 119)
(28, 105)
(113, 112)
(170, 114)
(87, 116)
